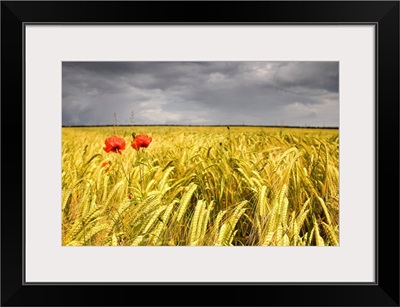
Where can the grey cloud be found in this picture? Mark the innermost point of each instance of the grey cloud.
(260, 93)
(315, 75)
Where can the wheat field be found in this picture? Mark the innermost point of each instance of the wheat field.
(201, 186)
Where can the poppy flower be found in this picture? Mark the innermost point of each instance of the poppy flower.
(141, 140)
(106, 164)
(114, 144)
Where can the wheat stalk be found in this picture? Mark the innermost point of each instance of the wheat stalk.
(185, 201)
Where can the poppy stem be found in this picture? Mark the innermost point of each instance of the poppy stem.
(141, 168)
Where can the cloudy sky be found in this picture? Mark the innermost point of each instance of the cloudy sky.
(201, 93)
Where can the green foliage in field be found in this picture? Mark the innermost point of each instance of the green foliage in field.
(203, 186)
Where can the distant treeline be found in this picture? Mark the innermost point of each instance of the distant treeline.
(154, 125)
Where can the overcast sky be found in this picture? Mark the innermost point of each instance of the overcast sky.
(201, 93)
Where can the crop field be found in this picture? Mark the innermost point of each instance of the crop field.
(200, 186)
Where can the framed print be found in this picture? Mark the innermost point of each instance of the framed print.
(242, 147)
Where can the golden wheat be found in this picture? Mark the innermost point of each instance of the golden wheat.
(201, 186)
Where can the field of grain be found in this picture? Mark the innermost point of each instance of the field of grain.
(201, 186)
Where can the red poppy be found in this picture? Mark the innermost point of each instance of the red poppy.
(114, 144)
(141, 140)
(106, 164)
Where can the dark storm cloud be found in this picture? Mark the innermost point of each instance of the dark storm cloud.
(253, 93)
(313, 75)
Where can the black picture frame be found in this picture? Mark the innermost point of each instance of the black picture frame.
(383, 14)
